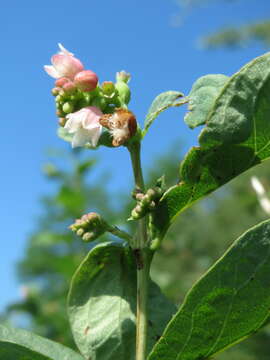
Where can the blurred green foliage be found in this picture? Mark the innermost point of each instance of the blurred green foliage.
(194, 242)
(231, 36)
(242, 35)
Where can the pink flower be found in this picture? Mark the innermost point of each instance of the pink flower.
(64, 64)
(86, 80)
(85, 126)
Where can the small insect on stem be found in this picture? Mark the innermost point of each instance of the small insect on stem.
(138, 258)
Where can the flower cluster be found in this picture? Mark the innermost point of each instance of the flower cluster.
(89, 227)
(146, 202)
(84, 107)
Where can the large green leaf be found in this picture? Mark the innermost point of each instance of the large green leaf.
(202, 98)
(162, 102)
(18, 344)
(242, 108)
(102, 305)
(230, 302)
(235, 138)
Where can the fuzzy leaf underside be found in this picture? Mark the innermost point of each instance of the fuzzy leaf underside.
(230, 302)
(18, 344)
(102, 305)
(235, 138)
(202, 98)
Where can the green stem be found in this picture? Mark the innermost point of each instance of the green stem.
(142, 297)
(135, 154)
(143, 261)
(120, 233)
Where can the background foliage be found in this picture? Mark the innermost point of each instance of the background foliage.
(232, 36)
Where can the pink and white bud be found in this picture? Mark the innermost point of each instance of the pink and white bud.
(85, 126)
(61, 81)
(86, 80)
(69, 87)
(65, 84)
(64, 64)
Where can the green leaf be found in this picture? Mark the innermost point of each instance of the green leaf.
(84, 166)
(162, 102)
(241, 108)
(202, 98)
(102, 305)
(236, 137)
(18, 344)
(230, 302)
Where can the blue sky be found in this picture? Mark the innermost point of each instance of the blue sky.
(107, 36)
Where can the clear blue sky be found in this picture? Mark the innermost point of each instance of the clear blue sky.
(107, 36)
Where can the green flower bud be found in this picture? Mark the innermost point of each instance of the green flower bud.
(58, 98)
(123, 91)
(135, 215)
(55, 91)
(80, 232)
(62, 93)
(123, 76)
(152, 205)
(151, 194)
(68, 107)
(108, 89)
(88, 97)
(146, 202)
(89, 236)
(139, 209)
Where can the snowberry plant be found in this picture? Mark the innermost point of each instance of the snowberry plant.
(116, 311)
